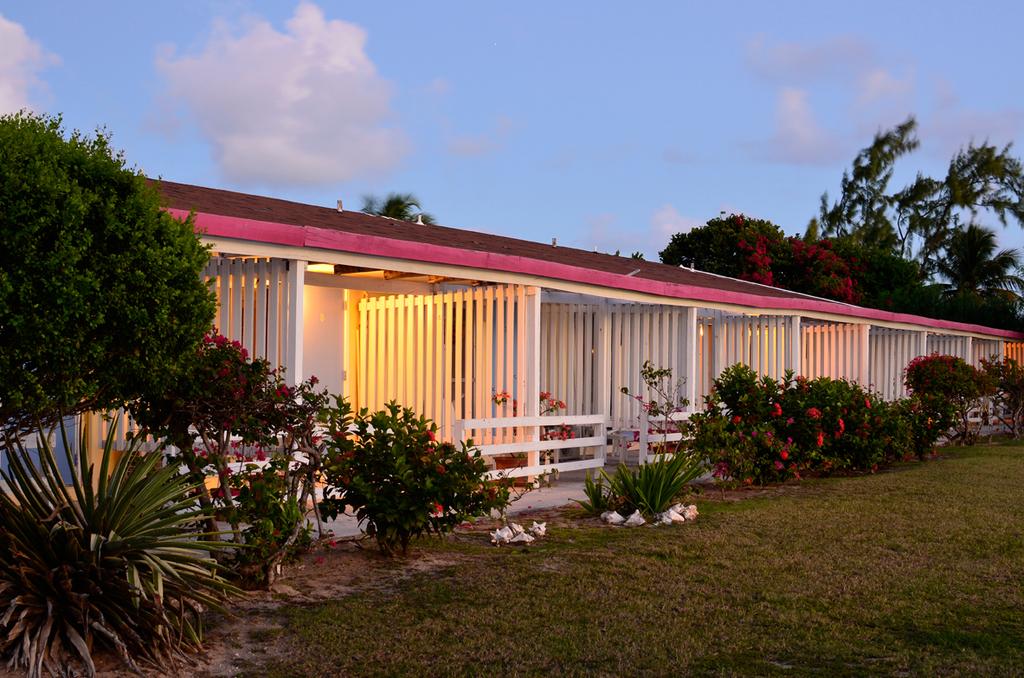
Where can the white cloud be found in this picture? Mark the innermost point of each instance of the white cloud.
(798, 139)
(21, 59)
(879, 85)
(300, 106)
(667, 221)
(604, 233)
(796, 63)
(469, 145)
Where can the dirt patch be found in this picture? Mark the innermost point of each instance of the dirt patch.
(249, 636)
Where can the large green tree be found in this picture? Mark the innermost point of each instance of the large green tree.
(918, 219)
(100, 290)
(972, 265)
(401, 206)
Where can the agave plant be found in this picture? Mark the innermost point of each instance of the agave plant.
(651, 488)
(114, 558)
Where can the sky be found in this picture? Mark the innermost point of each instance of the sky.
(603, 124)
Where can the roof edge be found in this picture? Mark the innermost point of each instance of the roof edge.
(322, 238)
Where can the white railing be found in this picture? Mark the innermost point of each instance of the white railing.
(526, 433)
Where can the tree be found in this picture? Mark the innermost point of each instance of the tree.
(972, 266)
(717, 246)
(401, 206)
(864, 210)
(918, 219)
(100, 290)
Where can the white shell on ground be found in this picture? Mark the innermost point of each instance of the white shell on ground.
(635, 520)
(612, 518)
(521, 538)
(538, 529)
(501, 536)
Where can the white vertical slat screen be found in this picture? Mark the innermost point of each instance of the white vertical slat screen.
(890, 351)
(445, 355)
(949, 345)
(724, 339)
(252, 299)
(832, 350)
(580, 343)
(1014, 350)
(985, 349)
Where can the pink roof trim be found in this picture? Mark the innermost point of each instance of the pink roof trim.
(329, 239)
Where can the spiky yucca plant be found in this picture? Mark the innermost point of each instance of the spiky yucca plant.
(115, 558)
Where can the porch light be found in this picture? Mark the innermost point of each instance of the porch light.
(320, 268)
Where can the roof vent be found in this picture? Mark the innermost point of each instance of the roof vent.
(419, 219)
(554, 242)
(340, 207)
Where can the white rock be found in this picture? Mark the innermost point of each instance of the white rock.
(502, 536)
(538, 529)
(663, 518)
(612, 518)
(516, 528)
(635, 520)
(674, 516)
(521, 538)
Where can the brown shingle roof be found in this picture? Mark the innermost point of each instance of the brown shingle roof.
(245, 206)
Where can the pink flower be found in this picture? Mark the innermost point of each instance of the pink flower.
(867, 403)
(778, 465)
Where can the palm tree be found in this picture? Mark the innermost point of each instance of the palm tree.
(401, 206)
(972, 266)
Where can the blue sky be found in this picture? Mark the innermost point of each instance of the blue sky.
(601, 124)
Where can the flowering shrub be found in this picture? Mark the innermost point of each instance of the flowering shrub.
(392, 472)
(1006, 378)
(233, 417)
(757, 430)
(948, 388)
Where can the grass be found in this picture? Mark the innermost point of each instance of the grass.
(916, 571)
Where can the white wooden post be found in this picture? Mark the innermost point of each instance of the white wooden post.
(293, 355)
(718, 354)
(864, 348)
(793, 330)
(604, 390)
(531, 406)
(922, 343)
(969, 351)
(690, 358)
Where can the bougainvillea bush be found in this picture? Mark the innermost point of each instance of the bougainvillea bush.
(401, 482)
(1006, 378)
(758, 430)
(233, 417)
(948, 389)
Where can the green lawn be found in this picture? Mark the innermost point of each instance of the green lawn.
(916, 571)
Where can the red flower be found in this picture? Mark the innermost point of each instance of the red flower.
(821, 438)
(438, 509)
(814, 413)
(842, 425)
(777, 410)
(737, 419)
(784, 454)
(867, 403)
(440, 469)
(432, 436)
